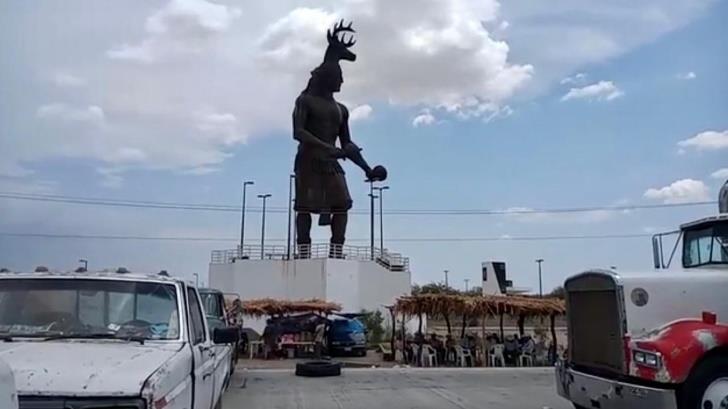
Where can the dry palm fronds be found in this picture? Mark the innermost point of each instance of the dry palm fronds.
(440, 304)
(270, 307)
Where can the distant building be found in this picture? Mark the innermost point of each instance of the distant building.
(495, 279)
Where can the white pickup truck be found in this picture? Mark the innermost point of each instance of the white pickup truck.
(98, 340)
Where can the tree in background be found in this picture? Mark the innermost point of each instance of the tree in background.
(373, 322)
(558, 292)
(433, 288)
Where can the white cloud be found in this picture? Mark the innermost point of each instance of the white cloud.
(721, 174)
(13, 170)
(110, 178)
(706, 141)
(360, 112)
(576, 79)
(600, 91)
(687, 76)
(66, 80)
(423, 119)
(527, 215)
(460, 68)
(206, 59)
(680, 191)
(202, 170)
(222, 127)
(62, 111)
(180, 27)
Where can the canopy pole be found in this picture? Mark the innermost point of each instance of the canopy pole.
(553, 338)
(521, 324)
(483, 344)
(502, 334)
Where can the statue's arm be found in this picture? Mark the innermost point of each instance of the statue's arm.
(352, 151)
(300, 133)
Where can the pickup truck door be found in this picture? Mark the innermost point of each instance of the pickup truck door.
(203, 353)
(223, 358)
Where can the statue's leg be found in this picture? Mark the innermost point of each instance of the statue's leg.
(338, 234)
(303, 234)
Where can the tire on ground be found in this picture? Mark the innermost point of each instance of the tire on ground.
(316, 369)
(700, 378)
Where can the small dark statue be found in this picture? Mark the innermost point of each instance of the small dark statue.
(318, 120)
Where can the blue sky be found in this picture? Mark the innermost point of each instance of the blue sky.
(182, 100)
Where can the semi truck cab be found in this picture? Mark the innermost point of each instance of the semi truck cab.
(653, 339)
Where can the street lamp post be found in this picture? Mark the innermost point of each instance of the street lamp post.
(262, 226)
(291, 181)
(371, 217)
(242, 218)
(381, 218)
(540, 284)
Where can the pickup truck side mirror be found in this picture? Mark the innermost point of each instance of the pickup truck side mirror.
(228, 335)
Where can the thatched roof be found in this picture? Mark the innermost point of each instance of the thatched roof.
(269, 307)
(439, 304)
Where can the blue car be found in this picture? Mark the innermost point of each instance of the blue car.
(347, 336)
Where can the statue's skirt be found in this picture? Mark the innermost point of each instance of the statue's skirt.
(320, 186)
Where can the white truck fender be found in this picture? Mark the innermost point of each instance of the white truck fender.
(170, 386)
(8, 393)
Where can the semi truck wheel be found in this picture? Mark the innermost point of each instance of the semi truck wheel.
(707, 385)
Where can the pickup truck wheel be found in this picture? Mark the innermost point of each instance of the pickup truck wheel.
(707, 385)
(316, 369)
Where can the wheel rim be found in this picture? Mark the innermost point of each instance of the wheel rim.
(716, 395)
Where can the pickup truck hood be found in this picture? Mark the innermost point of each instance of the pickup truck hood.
(83, 368)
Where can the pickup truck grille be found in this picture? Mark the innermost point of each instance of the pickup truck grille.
(595, 321)
(59, 402)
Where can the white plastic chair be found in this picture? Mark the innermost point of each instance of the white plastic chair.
(429, 356)
(525, 359)
(526, 356)
(496, 355)
(462, 356)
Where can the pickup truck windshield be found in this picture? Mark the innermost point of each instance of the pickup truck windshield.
(88, 308)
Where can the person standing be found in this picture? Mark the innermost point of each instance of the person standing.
(319, 338)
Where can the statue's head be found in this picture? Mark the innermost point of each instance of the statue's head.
(328, 77)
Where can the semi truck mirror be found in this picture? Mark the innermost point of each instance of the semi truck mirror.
(656, 252)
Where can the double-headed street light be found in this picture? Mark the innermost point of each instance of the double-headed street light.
(381, 190)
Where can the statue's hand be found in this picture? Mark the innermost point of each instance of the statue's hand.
(337, 153)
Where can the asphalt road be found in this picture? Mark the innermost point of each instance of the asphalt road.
(496, 388)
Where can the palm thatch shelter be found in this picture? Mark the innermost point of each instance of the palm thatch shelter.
(444, 305)
(262, 307)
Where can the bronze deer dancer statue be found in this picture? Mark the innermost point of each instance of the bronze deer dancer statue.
(318, 120)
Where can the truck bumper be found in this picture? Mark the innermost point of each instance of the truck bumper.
(594, 392)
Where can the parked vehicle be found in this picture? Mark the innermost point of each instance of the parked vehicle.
(653, 339)
(8, 394)
(91, 340)
(347, 336)
(213, 302)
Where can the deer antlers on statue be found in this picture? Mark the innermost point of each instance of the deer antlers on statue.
(338, 48)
